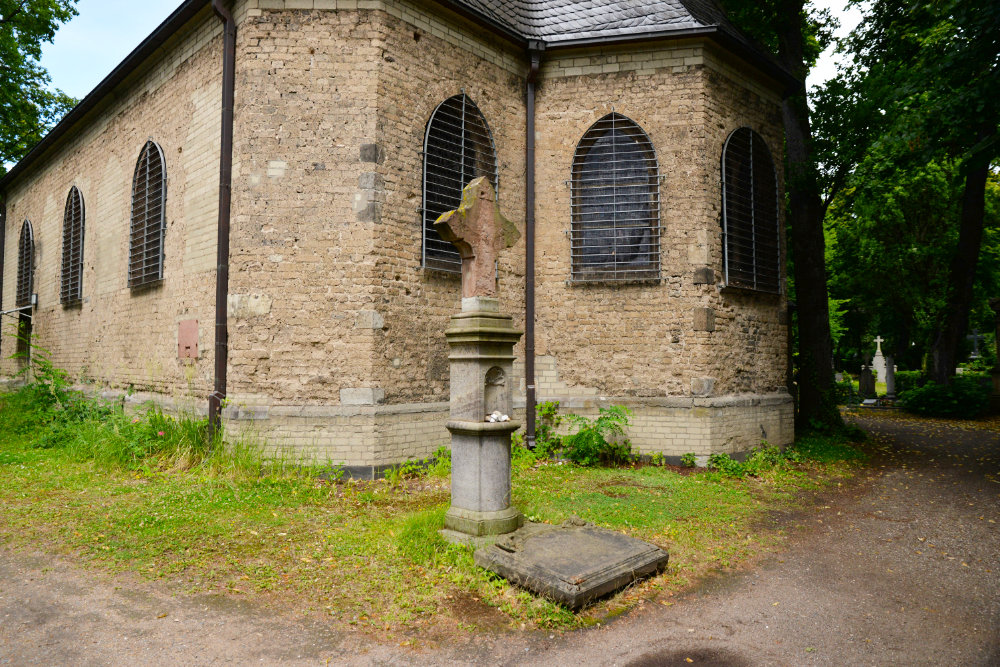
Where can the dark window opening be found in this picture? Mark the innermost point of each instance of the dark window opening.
(25, 285)
(615, 233)
(751, 236)
(149, 198)
(71, 283)
(25, 266)
(458, 147)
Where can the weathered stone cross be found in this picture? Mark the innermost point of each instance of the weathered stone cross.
(878, 342)
(479, 231)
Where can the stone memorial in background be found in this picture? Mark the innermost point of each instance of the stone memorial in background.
(890, 378)
(878, 363)
(572, 563)
(866, 383)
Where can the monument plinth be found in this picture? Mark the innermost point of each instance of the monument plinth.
(481, 342)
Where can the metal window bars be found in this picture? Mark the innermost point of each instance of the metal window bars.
(25, 266)
(71, 279)
(751, 236)
(615, 230)
(458, 147)
(149, 196)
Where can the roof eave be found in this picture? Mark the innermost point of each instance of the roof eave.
(486, 20)
(146, 48)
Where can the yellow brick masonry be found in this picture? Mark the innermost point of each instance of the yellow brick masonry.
(119, 337)
(337, 350)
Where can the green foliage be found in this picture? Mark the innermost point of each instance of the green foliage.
(965, 398)
(599, 440)
(846, 393)
(905, 122)
(907, 380)
(825, 448)
(440, 463)
(723, 463)
(689, 460)
(547, 438)
(28, 108)
(522, 458)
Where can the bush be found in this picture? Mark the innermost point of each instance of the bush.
(964, 398)
(600, 440)
(907, 380)
(547, 440)
(846, 393)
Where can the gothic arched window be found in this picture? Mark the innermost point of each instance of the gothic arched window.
(149, 199)
(71, 282)
(751, 236)
(615, 232)
(458, 147)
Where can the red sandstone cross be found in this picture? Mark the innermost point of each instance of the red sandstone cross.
(479, 231)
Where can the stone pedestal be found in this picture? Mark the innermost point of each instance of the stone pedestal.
(481, 342)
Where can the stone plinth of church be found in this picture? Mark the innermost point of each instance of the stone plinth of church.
(481, 343)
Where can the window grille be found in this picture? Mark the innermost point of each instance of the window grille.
(149, 197)
(615, 233)
(25, 266)
(71, 283)
(751, 236)
(458, 147)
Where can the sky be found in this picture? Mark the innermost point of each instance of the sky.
(86, 49)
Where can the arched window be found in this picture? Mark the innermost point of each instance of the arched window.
(750, 213)
(149, 199)
(71, 283)
(615, 232)
(458, 147)
(25, 266)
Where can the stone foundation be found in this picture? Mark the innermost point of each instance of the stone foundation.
(368, 439)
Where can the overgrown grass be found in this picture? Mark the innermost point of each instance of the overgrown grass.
(148, 494)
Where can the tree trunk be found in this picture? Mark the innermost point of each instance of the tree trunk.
(961, 276)
(817, 401)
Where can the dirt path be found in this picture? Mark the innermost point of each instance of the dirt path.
(904, 569)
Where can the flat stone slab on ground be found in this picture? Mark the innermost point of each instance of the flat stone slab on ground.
(573, 563)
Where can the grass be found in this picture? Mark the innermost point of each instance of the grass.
(147, 494)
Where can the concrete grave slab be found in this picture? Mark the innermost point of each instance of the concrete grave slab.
(573, 563)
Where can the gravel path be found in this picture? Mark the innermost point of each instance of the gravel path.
(902, 569)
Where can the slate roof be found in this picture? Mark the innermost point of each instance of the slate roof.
(556, 21)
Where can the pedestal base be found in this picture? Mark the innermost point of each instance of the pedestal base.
(478, 524)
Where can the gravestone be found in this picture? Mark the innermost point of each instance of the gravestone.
(890, 379)
(481, 342)
(878, 363)
(573, 563)
(866, 383)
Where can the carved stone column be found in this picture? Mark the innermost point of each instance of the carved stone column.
(481, 342)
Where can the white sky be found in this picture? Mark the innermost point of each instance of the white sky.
(826, 66)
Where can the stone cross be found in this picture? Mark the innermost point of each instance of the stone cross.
(975, 338)
(479, 231)
(878, 363)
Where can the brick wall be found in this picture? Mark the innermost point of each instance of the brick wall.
(337, 349)
(118, 336)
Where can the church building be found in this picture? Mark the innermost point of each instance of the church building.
(239, 220)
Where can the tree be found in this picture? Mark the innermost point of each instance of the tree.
(924, 89)
(797, 38)
(27, 107)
